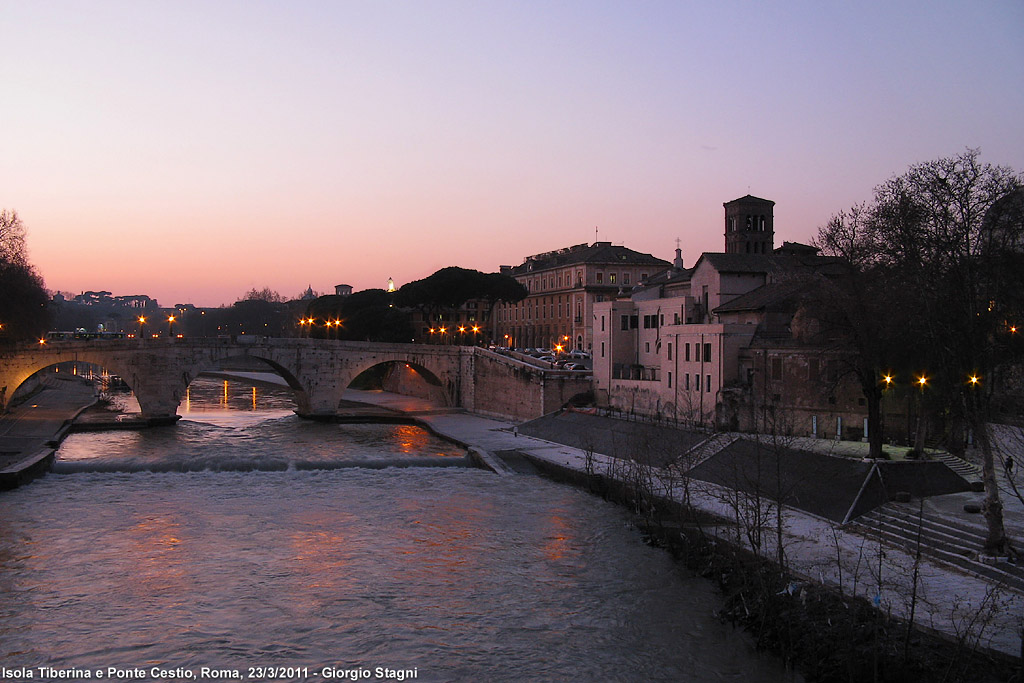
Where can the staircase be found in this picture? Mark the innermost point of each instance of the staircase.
(946, 540)
(704, 450)
(971, 473)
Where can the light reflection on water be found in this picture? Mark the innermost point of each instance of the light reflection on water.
(463, 574)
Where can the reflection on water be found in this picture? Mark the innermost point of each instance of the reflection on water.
(168, 547)
(466, 575)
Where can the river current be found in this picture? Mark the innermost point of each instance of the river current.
(244, 537)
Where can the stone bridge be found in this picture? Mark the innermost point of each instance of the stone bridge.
(319, 371)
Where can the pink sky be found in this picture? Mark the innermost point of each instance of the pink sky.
(192, 151)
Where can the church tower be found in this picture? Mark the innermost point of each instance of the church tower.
(749, 226)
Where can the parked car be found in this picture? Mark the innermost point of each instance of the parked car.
(547, 359)
(575, 366)
(578, 353)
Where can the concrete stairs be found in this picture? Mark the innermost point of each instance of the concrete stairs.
(948, 541)
(704, 450)
(965, 469)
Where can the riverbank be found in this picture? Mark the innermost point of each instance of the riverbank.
(822, 560)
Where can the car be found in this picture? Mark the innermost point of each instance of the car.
(575, 366)
(543, 352)
(578, 353)
(547, 359)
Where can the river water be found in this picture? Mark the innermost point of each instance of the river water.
(244, 537)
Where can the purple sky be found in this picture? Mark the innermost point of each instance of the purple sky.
(192, 151)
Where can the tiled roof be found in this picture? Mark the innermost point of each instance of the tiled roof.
(767, 263)
(763, 297)
(601, 253)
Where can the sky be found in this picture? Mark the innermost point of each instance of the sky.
(193, 151)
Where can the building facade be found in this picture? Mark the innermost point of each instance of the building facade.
(564, 286)
(727, 343)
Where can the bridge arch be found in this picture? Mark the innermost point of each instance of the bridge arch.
(212, 363)
(404, 377)
(18, 370)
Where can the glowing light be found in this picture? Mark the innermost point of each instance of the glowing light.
(462, 329)
(142, 319)
(42, 342)
(921, 381)
(443, 330)
(170, 318)
(476, 328)
(887, 379)
(974, 379)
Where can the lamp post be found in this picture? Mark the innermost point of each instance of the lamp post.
(170, 326)
(142, 327)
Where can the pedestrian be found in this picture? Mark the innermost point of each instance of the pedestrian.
(1009, 465)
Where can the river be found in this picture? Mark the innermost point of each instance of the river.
(244, 537)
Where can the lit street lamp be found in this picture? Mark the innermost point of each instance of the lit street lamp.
(170, 326)
(142, 327)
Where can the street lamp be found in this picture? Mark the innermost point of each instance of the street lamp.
(142, 327)
(170, 326)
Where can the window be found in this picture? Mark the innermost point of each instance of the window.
(670, 350)
(687, 380)
(625, 278)
(670, 380)
(696, 353)
(687, 355)
(611, 278)
(602, 349)
(696, 380)
(707, 383)
(602, 323)
(707, 352)
(634, 321)
(600, 278)
(647, 347)
(625, 322)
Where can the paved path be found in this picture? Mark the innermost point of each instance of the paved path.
(34, 424)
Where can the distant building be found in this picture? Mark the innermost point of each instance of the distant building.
(308, 295)
(342, 290)
(564, 285)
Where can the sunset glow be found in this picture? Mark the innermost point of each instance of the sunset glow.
(193, 151)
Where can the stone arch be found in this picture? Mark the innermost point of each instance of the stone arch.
(20, 368)
(406, 376)
(204, 364)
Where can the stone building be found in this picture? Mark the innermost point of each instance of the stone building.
(564, 286)
(728, 342)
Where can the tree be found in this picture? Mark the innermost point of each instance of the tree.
(368, 315)
(944, 240)
(265, 294)
(449, 288)
(23, 298)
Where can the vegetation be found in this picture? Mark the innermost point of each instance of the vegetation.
(368, 315)
(450, 288)
(934, 296)
(23, 298)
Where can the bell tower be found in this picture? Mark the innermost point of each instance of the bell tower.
(749, 226)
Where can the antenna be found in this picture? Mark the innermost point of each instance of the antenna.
(595, 234)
